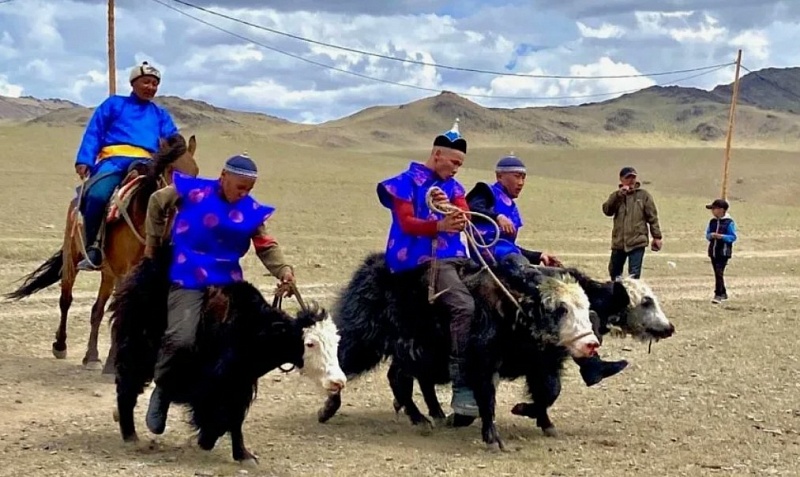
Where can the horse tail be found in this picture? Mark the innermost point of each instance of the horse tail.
(358, 313)
(47, 274)
(138, 320)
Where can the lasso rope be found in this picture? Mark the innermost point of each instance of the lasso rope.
(471, 231)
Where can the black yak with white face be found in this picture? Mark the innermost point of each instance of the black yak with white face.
(627, 304)
(240, 338)
(383, 315)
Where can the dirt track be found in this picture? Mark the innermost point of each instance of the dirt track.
(721, 396)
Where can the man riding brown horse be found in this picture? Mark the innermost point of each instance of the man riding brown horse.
(124, 245)
(123, 130)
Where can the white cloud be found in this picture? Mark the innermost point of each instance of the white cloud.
(606, 30)
(8, 89)
(57, 49)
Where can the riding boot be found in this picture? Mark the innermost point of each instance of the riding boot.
(463, 401)
(157, 411)
(94, 256)
(594, 369)
(93, 259)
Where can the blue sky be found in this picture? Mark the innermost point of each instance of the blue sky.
(56, 48)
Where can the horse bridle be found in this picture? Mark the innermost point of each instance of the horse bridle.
(277, 302)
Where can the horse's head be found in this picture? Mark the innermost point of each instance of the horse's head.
(553, 307)
(174, 154)
(643, 318)
(320, 361)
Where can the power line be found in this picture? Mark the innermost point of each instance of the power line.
(771, 83)
(424, 63)
(423, 88)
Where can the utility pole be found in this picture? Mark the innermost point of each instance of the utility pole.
(112, 62)
(734, 97)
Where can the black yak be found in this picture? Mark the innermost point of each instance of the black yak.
(381, 315)
(240, 338)
(626, 304)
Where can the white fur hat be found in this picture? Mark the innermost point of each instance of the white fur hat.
(144, 70)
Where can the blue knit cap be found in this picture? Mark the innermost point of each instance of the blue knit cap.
(510, 163)
(241, 165)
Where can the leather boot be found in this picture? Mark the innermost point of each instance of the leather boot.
(594, 369)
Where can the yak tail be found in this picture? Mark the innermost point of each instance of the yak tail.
(47, 274)
(138, 320)
(360, 315)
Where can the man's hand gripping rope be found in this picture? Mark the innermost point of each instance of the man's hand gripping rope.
(434, 202)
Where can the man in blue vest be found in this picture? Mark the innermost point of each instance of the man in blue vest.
(215, 224)
(414, 231)
(122, 130)
(498, 202)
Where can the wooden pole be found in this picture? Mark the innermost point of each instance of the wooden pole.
(734, 97)
(112, 62)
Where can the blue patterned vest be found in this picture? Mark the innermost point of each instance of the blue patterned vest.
(403, 251)
(503, 205)
(210, 235)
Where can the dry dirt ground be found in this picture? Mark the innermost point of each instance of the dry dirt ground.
(718, 398)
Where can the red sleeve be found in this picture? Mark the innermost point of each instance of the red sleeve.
(461, 203)
(410, 224)
(261, 239)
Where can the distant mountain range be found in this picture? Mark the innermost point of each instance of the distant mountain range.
(768, 115)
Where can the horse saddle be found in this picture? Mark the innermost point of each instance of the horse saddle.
(124, 192)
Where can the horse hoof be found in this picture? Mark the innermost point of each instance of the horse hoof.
(397, 406)
(92, 365)
(115, 415)
(108, 370)
(131, 439)
(59, 353)
(249, 462)
(550, 431)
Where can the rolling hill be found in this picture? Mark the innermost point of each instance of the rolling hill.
(768, 116)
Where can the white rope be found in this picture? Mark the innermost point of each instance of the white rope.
(446, 208)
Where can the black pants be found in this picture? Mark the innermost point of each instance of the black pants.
(459, 304)
(634, 257)
(719, 265)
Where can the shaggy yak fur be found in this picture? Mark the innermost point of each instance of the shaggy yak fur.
(381, 315)
(240, 338)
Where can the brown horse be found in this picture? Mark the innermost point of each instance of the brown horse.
(123, 244)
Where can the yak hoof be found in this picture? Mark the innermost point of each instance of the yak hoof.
(550, 431)
(249, 462)
(397, 406)
(59, 353)
(93, 365)
(131, 439)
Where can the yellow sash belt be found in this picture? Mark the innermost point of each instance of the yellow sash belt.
(122, 150)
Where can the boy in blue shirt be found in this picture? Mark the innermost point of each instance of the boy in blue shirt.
(720, 233)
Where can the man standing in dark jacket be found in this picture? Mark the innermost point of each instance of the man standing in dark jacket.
(633, 210)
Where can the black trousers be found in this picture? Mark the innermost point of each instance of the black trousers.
(719, 265)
